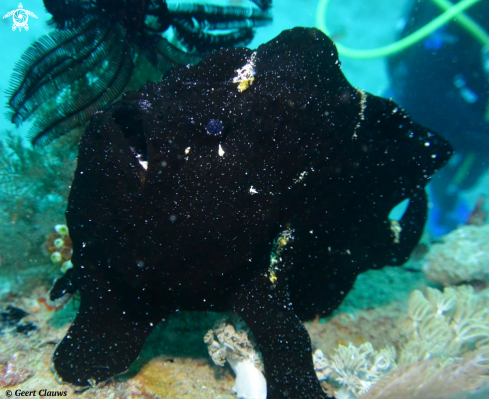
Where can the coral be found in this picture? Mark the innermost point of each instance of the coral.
(11, 320)
(235, 347)
(26, 172)
(445, 336)
(59, 246)
(183, 372)
(463, 256)
(122, 391)
(478, 216)
(32, 315)
(34, 186)
(12, 374)
(434, 379)
(443, 325)
(353, 371)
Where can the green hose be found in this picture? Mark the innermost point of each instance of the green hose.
(468, 23)
(451, 11)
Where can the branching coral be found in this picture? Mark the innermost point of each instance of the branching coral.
(462, 256)
(235, 347)
(434, 379)
(352, 371)
(444, 352)
(443, 325)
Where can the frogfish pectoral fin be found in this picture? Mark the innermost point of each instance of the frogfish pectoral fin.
(99, 345)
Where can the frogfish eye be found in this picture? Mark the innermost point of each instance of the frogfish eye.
(214, 127)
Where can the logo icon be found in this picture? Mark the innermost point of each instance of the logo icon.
(20, 17)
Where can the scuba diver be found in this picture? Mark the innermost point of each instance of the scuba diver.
(443, 83)
(439, 69)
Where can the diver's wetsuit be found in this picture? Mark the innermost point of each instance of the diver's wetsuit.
(443, 83)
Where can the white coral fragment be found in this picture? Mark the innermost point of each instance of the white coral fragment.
(235, 348)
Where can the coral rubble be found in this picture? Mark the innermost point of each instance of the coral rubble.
(462, 256)
(235, 348)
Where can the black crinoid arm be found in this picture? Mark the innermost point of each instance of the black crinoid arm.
(85, 64)
(195, 25)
